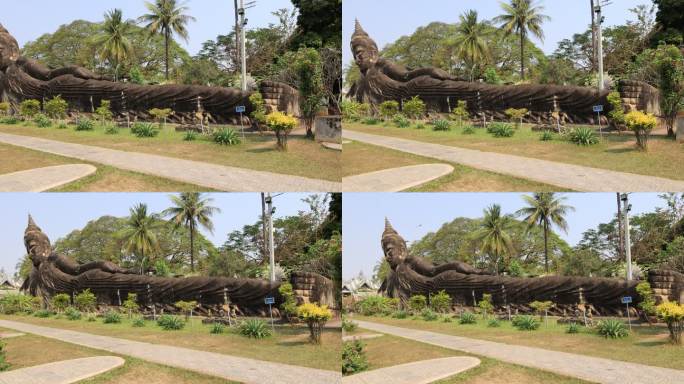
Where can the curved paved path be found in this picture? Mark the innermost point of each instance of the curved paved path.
(574, 177)
(229, 367)
(209, 175)
(43, 179)
(594, 369)
(395, 179)
(62, 372)
(419, 372)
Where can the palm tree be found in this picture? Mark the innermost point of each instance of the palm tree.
(116, 47)
(190, 210)
(522, 17)
(471, 42)
(493, 236)
(545, 209)
(166, 17)
(139, 233)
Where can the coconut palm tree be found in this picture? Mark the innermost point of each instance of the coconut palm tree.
(139, 234)
(116, 47)
(545, 209)
(522, 17)
(166, 17)
(493, 236)
(471, 42)
(190, 210)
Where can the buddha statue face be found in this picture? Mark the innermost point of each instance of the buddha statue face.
(37, 243)
(393, 246)
(9, 49)
(364, 49)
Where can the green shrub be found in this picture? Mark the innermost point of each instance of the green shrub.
(468, 130)
(60, 301)
(226, 136)
(10, 120)
(144, 130)
(131, 304)
(348, 325)
(572, 328)
(617, 113)
(376, 305)
(353, 358)
(417, 303)
(486, 305)
(91, 318)
(525, 322)
(428, 315)
(467, 318)
(516, 115)
(400, 314)
(72, 313)
(289, 305)
(190, 136)
(104, 111)
(42, 121)
(160, 115)
(111, 129)
(546, 136)
(170, 322)
(29, 108)
(414, 108)
(648, 303)
(86, 301)
(354, 111)
(18, 303)
(388, 109)
(611, 328)
(4, 365)
(43, 313)
(4, 108)
(460, 113)
(447, 319)
(255, 328)
(138, 322)
(62, 125)
(441, 125)
(111, 317)
(501, 130)
(584, 136)
(400, 121)
(371, 121)
(440, 302)
(494, 323)
(420, 126)
(217, 329)
(84, 124)
(56, 108)
(186, 307)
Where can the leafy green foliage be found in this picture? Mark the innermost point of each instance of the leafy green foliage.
(289, 305)
(388, 109)
(10, 120)
(190, 136)
(42, 121)
(468, 130)
(72, 313)
(546, 136)
(647, 303)
(255, 328)
(138, 322)
(375, 305)
(670, 67)
(460, 113)
(111, 317)
(43, 313)
(525, 322)
(259, 108)
(84, 124)
(572, 328)
(354, 359)
(29, 108)
(217, 329)
(104, 111)
(111, 129)
(144, 130)
(441, 125)
(617, 113)
(4, 365)
(354, 111)
(584, 136)
(440, 302)
(494, 323)
(226, 136)
(501, 130)
(13, 303)
(186, 307)
(517, 115)
(131, 304)
(400, 121)
(428, 315)
(612, 328)
(541, 307)
(485, 304)
(371, 121)
(4, 108)
(310, 85)
(160, 115)
(467, 318)
(60, 301)
(170, 323)
(348, 325)
(417, 303)
(56, 108)
(414, 108)
(400, 314)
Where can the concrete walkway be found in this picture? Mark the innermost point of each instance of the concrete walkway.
(419, 372)
(233, 368)
(574, 177)
(43, 179)
(362, 336)
(62, 372)
(395, 179)
(9, 335)
(223, 178)
(594, 369)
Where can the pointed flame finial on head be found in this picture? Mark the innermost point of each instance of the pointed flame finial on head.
(389, 230)
(32, 224)
(358, 29)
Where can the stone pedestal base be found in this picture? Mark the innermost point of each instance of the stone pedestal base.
(329, 129)
(679, 126)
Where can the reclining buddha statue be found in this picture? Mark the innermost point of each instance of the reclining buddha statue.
(410, 275)
(52, 274)
(22, 78)
(382, 80)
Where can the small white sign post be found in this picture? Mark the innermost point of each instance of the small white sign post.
(598, 109)
(270, 301)
(626, 300)
(241, 109)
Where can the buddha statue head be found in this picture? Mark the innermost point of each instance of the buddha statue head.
(365, 50)
(36, 242)
(393, 246)
(9, 49)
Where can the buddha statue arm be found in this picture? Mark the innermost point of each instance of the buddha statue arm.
(42, 72)
(400, 73)
(71, 267)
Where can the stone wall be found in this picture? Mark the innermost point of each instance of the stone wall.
(637, 95)
(311, 287)
(280, 97)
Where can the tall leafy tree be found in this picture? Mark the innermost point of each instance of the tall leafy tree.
(191, 210)
(493, 236)
(522, 17)
(545, 209)
(167, 17)
(116, 46)
(139, 233)
(471, 41)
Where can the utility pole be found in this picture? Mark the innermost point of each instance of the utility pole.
(243, 46)
(628, 250)
(264, 248)
(599, 21)
(271, 254)
(621, 244)
(237, 33)
(593, 37)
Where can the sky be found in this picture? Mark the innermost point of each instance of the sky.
(388, 20)
(414, 215)
(26, 20)
(60, 213)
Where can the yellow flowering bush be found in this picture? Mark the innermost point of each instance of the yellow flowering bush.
(315, 316)
(673, 314)
(282, 124)
(641, 124)
(516, 115)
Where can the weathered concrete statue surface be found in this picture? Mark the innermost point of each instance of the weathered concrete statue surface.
(383, 80)
(411, 275)
(52, 274)
(22, 78)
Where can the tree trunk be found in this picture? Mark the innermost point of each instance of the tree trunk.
(546, 247)
(142, 262)
(192, 247)
(166, 50)
(522, 56)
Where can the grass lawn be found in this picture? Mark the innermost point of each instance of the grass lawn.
(304, 157)
(645, 345)
(616, 152)
(106, 179)
(289, 345)
(358, 158)
(389, 350)
(30, 350)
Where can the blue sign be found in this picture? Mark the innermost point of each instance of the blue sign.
(598, 108)
(626, 299)
(240, 109)
(269, 300)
